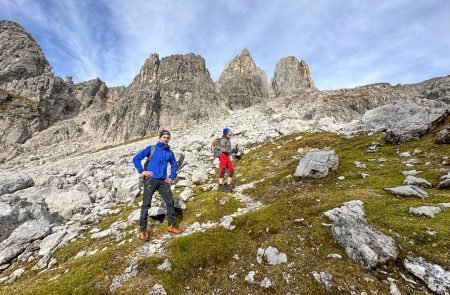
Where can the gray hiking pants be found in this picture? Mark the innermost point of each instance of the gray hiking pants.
(150, 186)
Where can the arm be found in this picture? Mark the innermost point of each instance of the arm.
(173, 166)
(139, 157)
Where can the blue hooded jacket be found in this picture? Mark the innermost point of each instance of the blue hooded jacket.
(158, 164)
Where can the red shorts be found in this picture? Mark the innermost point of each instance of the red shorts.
(225, 165)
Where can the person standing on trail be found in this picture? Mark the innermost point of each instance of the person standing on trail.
(225, 165)
(155, 178)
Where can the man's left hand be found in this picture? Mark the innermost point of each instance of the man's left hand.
(168, 180)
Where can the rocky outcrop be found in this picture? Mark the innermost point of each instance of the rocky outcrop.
(291, 75)
(20, 55)
(12, 181)
(317, 164)
(361, 242)
(402, 121)
(242, 83)
(176, 91)
(433, 275)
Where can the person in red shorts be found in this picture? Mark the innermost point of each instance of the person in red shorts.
(226, 165)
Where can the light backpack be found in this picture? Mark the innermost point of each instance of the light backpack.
(215, 147)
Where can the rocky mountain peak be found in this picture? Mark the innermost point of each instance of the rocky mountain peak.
(242, 83)
(291, 75)
(20, 56)
(148, 71)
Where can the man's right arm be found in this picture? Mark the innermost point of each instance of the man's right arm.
(139, 157)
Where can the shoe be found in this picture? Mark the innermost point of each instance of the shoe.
(228, 188)
(221, 188)
(144, 236)
(173, 229)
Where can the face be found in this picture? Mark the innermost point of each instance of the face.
(165, 139)
(229, 134)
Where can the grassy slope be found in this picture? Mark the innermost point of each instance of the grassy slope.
(203, 262)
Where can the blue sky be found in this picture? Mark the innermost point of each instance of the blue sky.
(345, 42)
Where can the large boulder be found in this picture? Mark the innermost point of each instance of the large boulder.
(11, 181)
(291, 75)
(317, 164)
(362, 243)
(22, 237)
(402, 121)
(433, 275)
(66, 203)
(15, 211)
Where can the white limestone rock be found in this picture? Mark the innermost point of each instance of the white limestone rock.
(317, 164)
(427, 211)
(362, 243)
(412, 180)
(408, 191)
(270, 255)
(433, 275)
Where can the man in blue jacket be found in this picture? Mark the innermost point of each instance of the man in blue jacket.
(155, 178)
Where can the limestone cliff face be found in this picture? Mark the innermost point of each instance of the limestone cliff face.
(242, 84)
(172, 92)
(20, 55)
(291, 75)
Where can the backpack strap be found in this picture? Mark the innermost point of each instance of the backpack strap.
(149, 157)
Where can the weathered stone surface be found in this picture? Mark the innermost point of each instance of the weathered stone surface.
(443, 136)
(362, 243)
(175, 91)
(18, 211)
(323, 278)
(428, 211)
(317, 164)
(291, 75)
(444, 181)
(157, 289)
(433, 275)
(408, 191)
(242, 83)
(66, 203)
(270, 255)
(21, 237)
(402, 121)
(20, 55)
(412, 180)
(11, 181)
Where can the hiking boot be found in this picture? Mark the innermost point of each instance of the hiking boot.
(144, 236)
(228, 188)
(173, 229)
(221, 187)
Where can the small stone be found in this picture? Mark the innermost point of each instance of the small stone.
(324, 278)
(405, 154)
(341, 178)
(271, 255)
(364, 175)
(359, 165)
(250, 277)
(334, 256)
(165, 266)
(411, 172)
(412, 180)
(15, 275)
(428, 211)
(266, 283)
(157, 289)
